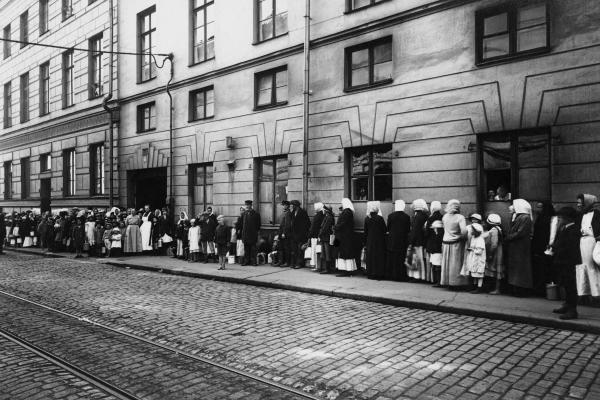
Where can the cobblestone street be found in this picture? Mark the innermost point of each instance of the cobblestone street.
(333, 348)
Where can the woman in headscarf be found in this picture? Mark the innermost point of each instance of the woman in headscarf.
(418, 270)
(494, 267)
(344, 232)
(432, 244)
(398, 225)
(313, 233)
(588, 272)
(375, 241)
(542, 261)
(519, 249)
(181, 235)
(453, 246)
(133, 236)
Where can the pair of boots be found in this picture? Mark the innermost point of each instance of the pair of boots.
(566, 312)
(436, 271)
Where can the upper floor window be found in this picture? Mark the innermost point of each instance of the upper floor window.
(370, 172)
(203, 30)
(200, 187)
(146, 117)
(352, 5)
(7, 180)
(511, 30)
(67, 74)
(45, 162)
(202, 103)
(67, 9)
(24, 29)
(97, 169)
(272, 187)
(45, 88)
(369, 64)
(25, 178)
(272, 19)
(69, 172)
(146, 46)
(95, 67)
(43, 16)
(271, 88)
(7, 43)
(7, 105)
(24, 97)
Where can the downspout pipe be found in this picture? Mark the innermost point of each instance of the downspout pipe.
(305, 172)
(105, 100)
(171, 161)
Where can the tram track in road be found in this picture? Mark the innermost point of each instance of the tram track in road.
(74, 343)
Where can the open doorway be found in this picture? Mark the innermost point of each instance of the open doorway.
(147, 186)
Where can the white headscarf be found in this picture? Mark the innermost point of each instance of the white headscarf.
(346, 203)
(318, 207)
(435, 206)
(185, 216)
(522, 207)
(420, 205)
(399, 205)
(373, 206)
(114, 210)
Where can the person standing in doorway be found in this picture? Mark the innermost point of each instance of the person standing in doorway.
(146, 229)
(250, 228)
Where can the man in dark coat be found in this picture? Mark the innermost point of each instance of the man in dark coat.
(399, 228)
(2, 231)
(250, 228)
(285, 235)
(300, 227)
(566, 256)
(313, 233)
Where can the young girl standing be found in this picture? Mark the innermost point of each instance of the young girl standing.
(474, 265)
(494, 266)
(194, 240)
(222, 239)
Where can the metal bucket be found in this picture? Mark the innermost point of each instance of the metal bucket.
(552, 291)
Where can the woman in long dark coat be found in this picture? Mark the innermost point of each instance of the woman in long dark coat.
(344, 232)
(375, 242)
(519, 249)
(542, 262)
(398, 225)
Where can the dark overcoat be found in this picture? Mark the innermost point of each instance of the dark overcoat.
(375, 246)
(344, 232)
(250, 227)
(300, 225)
(519, 252)
(315, 226)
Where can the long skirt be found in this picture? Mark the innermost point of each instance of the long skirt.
(146, 232)
(133, 239)
(27, 241)
(346, 265)
(587, 273)
(180, 248)
(418, 268)
(452, 261)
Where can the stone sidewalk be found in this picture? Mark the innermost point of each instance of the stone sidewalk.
(530, 310)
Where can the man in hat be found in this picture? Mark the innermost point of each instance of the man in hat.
(566, 256)
(300, 228)
(250, 228)
(285, 235)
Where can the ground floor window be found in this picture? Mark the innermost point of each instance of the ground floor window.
(515, 164)
(370, 172)
(272, 188)
(25, 178)
(97, 169)
(200, 187)
(69, 172)
(8, 180)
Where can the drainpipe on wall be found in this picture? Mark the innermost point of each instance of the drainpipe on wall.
(306, 104)
(171, 161)
(109, 110)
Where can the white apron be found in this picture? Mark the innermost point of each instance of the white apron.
(587, 273)
(146, 230)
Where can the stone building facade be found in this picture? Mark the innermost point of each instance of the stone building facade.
(54, 130)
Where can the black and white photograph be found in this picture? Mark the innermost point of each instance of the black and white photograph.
(299, 199)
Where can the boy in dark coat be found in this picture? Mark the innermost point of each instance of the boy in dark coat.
(566, 256)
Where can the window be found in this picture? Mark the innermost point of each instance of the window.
(515, 164)
(45, 162)
(69, 172)
(369, 64)
(271, 19)
(202, 103)
(272, 188)
(7, 105)
(97, 169)
(95, 67)
(45, 88)
(25, 178)
(271, 88)
(24, 97)
(7, 180)
(146, 29)
(24, 29)
(67, 9)
(67, 83)
(146, 117)
(43, 16)
(200, 187)
(203, 30)
(370, 173)
(511, 30)
(6, 35)
(352, 5)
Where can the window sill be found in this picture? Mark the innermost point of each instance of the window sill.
(353, 10)
(368, 87)
(193, 64)
(140, 82)
(267, 106)
(146, 131)
(513, 57)
(69, 106)
(95, 97)
(201, 119)
(257, 42)
(44, 33)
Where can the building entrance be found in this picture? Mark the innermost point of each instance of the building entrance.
(45, 194)
(147, 186)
